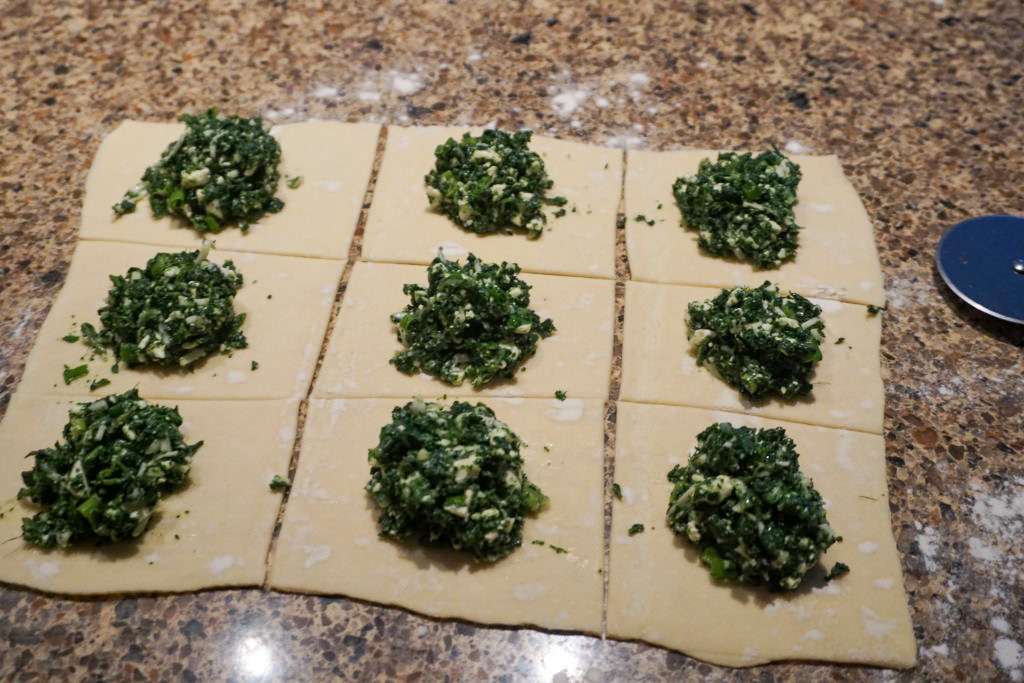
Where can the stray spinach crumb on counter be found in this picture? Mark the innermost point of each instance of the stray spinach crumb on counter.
(279, 483)
(451, 478)
(222, 171)
(472, 322)
(742, 499)
(636, 529)
(742, 206)
(491, 183)
(172, 313)
(757, 340)
(120, 456)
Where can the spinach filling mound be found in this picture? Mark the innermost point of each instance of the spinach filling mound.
(451, 478)
(743, 500)
(221, 172)
(172, 313)
(758, 341)
(120, 456)
(742, 206)
(491, 183)
(471, 322)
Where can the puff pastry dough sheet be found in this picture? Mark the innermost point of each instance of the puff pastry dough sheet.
(836, 258)
(319, 217)
(658, 365)
(328, 541)
(284, 332)
(401, 226)
(223, 518)
(576, 358)
(659, 591)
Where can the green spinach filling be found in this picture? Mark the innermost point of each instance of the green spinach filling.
(742, 206)
(451, 478)
(491, 183)
(172, 313)
(120, 456)
(471, 322)
(221, 172)
(742, 499)
(757, 340)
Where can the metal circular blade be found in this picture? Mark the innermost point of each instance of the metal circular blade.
(982, 261)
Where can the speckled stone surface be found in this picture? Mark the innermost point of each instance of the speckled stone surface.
(923, 102)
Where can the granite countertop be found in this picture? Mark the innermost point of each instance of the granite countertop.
(922, 101)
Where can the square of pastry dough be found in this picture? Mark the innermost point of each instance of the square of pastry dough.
(319, 217)
(328, 541)
(836, 257)
(213, 532)
(287, 301)
(660, 592)
(576, 358)
(658, 365)
(402, 227)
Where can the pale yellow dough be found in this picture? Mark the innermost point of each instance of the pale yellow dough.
(328, 541)
(836, 258)
(659, 591)
(658, 365)
(577, 358)
(401, 226)
(284, 332)
(318, 219)
(214, 532)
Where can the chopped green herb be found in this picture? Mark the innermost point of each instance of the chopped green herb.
(121, 455)
(757, 340)
(70, 338)
(635, 529)
(471, 322)
(538, 542)
(71, 374)
(279, 483)
(840, 340)
(547, 448)
(620, 222)
(560, 395)
(451, 478)
(838, 569)
(172, 313)
(254, 365)
(743, 500)
(294, 182)
(558, 549)
(98, 383)
(177, 537)
(92, 337)
(617, 491)
(640, 218)
(659, 206)
(742, 206)
(222, 171)
(491, 183)
(875, 310)
(559, 213)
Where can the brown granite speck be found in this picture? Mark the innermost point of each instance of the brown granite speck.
(923, 103)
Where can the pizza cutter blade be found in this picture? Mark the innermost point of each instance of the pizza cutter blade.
(982, 261)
